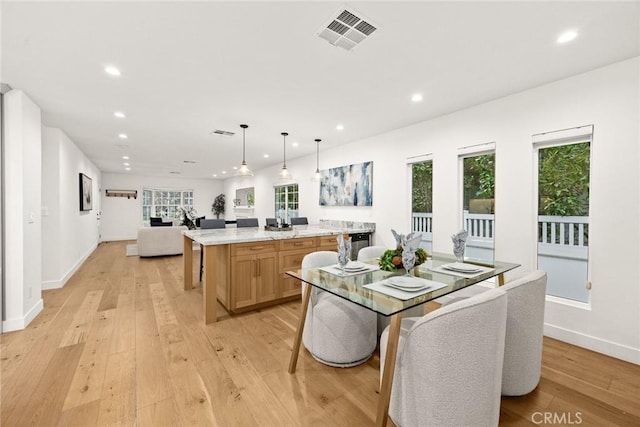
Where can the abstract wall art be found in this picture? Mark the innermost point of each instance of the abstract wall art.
(86, 198)
(350, 185)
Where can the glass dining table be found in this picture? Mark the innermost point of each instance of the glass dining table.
(363, 288)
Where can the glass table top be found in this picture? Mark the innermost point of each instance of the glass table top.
(351, 287)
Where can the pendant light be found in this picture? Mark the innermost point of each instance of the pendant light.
(244, 169)
(284, 172)
(316, 175)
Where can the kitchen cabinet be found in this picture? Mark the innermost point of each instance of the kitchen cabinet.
(290, 258)
(254, 274)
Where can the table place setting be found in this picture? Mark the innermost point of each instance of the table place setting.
(462, 269)
(405, 287)
(351, 268)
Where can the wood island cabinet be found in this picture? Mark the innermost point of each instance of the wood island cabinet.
(258, 271)
(327, 243)
(290, 256)
(253, 274)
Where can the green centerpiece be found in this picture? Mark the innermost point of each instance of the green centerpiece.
(391, 259)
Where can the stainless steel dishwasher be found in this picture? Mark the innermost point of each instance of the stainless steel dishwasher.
(359, 241)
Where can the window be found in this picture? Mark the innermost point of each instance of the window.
(286, 201)
(563, 165)
(164, 203)
(422, 202)
(478, 214)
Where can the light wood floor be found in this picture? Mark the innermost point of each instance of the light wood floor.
(123, 344)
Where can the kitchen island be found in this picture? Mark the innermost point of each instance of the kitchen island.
(244, 268)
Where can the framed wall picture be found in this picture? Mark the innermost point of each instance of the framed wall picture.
(347, 185)
(86, 198)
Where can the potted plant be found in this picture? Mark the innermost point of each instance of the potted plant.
(218, 205)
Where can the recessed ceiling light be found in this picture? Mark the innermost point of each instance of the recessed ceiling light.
(223, 172)
(266, 156)
(417, 97)
(295, 144)
(119, 114)
(127, 169)
(125, 157)
(567, 36)
(215, 175)
(112, 71)
(235, 168)
(123, 136)
(126, 164)
(340, 127)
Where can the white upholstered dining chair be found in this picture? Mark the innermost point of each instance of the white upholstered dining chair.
(336, 332)
(449, 364)
(523, 342)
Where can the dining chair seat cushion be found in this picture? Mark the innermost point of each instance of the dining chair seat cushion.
(449, 364)
(336, 332)
(342, 333)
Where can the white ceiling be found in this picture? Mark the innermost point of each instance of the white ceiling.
(189, 68)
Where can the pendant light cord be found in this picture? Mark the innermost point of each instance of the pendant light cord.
(284, 149)
(244, 128)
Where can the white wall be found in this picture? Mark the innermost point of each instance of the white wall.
(69, 235)
(608, 98)
(121, 217)
(23, 236)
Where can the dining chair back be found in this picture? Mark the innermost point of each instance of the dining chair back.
(449, 364)
(271, 222)
(370, 252)
(336, 332)
(246, 222)
(523, 342)
(301, 220)
(206, 224)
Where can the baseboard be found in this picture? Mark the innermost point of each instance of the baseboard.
(57, 284)
(119, 238)
(20, 323)
(619, 351)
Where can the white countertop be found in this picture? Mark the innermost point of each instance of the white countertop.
(224, 236)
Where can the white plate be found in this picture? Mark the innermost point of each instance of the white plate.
(462, 268)
(406, 289)
(354, 266)
(407, 282)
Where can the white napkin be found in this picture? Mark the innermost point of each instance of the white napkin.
(344, 249)
(459, 241)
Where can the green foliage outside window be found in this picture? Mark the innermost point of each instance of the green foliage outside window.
(479, 178)
(563, 180)
(422, 187)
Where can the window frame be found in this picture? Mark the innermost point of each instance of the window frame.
(170, 211)
(289, 212)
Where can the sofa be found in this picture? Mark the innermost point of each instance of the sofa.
(159, 241)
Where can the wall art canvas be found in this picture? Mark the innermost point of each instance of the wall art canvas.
(350, 185)
(86, 198)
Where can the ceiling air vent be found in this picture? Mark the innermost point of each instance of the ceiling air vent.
(347, 29)
(222, 132)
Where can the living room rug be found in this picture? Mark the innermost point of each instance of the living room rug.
(132, 250)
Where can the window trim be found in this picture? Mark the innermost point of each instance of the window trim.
(152, 206)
